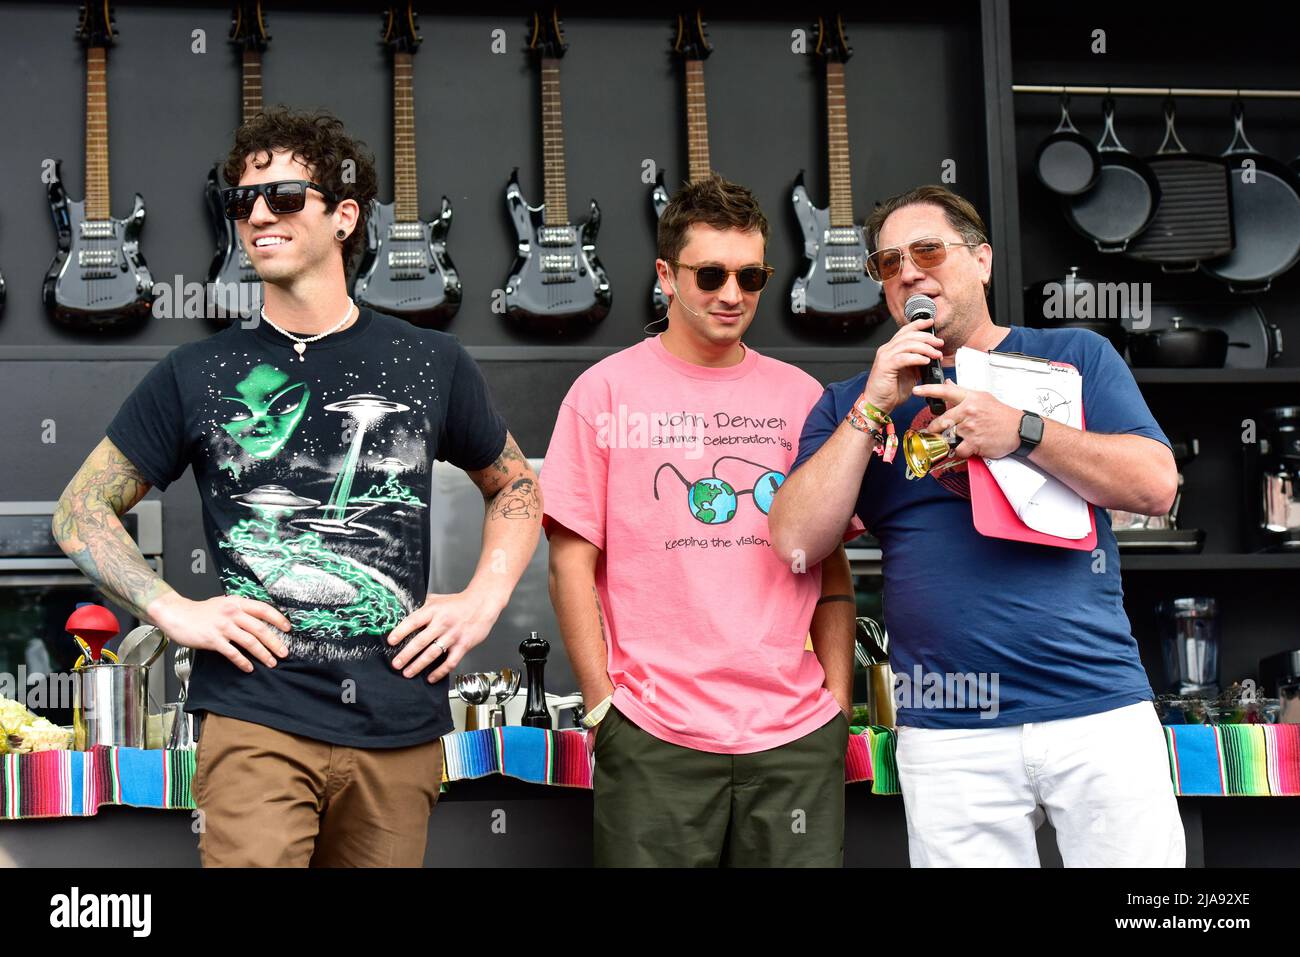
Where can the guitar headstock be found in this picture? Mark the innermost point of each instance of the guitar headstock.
(97, 26)
(248, 26)
(832, 39)
(547, 38)
(692, 41)
(401, 29)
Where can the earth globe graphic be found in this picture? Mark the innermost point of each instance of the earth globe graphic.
(765, 490)
(712, 501)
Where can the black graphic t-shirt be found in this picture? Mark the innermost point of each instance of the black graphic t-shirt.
(314, 474)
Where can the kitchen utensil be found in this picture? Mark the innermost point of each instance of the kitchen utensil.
(504, 685)
(179, 727)
(474, 689)
(1265, 195)
(1122, 201)
(110, 702)
(1193, 220)
(872, 647)
(1067, 162)
(1280, 675)
(556, 706)
(1150, 534)
(1189, 633)
(182, 666)
(1253, 341)
(1179, 347)
(534, 650)
(92, 627)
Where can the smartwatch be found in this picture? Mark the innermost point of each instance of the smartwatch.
(1031, 433)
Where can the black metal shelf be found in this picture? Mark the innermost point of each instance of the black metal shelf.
(1264, 561)
(1279, 375)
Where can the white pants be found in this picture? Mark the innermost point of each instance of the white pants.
(975, 797)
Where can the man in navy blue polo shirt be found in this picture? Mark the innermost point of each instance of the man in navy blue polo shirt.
(1020, 690)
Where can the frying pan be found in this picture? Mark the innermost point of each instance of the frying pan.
(1194, 219)
(1122, 201)
(1266, 215)
(1067, 161)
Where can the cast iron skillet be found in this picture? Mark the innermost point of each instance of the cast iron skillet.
(1194, 219)
(1067, 162)
(1265, 213)
(1122, 201)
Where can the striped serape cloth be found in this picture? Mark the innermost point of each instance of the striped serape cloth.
(1255, 760)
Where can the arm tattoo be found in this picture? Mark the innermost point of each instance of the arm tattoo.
(87, 528)
(518, 501)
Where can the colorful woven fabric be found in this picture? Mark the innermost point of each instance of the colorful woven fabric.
(1244, 759)
(76, 783)
(1234, 759)
(882, 741)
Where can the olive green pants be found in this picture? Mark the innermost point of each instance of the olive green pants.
(661, 805)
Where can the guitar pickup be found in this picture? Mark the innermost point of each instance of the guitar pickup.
(554, 262)
(96, 258)
(556, 236)
(844, 264)
(97, 229)
(405, 231)
(413, 259)
(842, 236)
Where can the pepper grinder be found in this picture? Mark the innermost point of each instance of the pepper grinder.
(534, 650)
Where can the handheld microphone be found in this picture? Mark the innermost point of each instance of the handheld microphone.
(922, 307)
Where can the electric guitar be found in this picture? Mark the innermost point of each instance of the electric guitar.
(405, 270)
(98, 281)
(834, 294)
(693, 47)
(233, 288)
(557, 284)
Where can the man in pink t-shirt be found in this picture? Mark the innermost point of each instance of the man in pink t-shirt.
(721, 737)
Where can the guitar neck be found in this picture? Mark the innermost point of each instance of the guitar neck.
(97, 191)
(697, 122)
(555, 191)
(837, 147)
(251, 84)
(406, 193)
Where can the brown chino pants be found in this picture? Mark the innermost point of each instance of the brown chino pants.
(273, 799)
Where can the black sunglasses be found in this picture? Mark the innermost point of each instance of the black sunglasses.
(282, 196)
(711, 278)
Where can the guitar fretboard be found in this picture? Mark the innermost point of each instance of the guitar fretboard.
(406, 191)
(97, 191)
(837, 146)
(697, 122)
(251, 84)
(555, 191)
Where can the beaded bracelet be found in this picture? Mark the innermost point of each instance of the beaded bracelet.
(885, 442)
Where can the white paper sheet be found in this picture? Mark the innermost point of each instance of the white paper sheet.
(1042, 502)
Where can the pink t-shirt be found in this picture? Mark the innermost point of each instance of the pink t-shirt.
(669, 468)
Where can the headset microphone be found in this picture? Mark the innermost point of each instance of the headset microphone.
(683, 301)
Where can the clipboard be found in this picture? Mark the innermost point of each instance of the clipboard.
(993, 515)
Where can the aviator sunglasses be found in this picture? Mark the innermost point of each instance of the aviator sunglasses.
(282, 196)
(711, 278)
(885, 264)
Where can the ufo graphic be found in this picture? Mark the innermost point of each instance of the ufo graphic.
(275, 497)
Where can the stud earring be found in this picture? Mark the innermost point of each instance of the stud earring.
(340, 234)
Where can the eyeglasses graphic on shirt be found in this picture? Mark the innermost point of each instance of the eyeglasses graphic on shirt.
(713, 501)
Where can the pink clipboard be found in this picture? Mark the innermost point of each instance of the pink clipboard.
(995, 518)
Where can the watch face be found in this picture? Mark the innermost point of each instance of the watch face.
(1031, 428)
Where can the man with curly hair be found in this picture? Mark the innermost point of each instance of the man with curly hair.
(321, 672)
